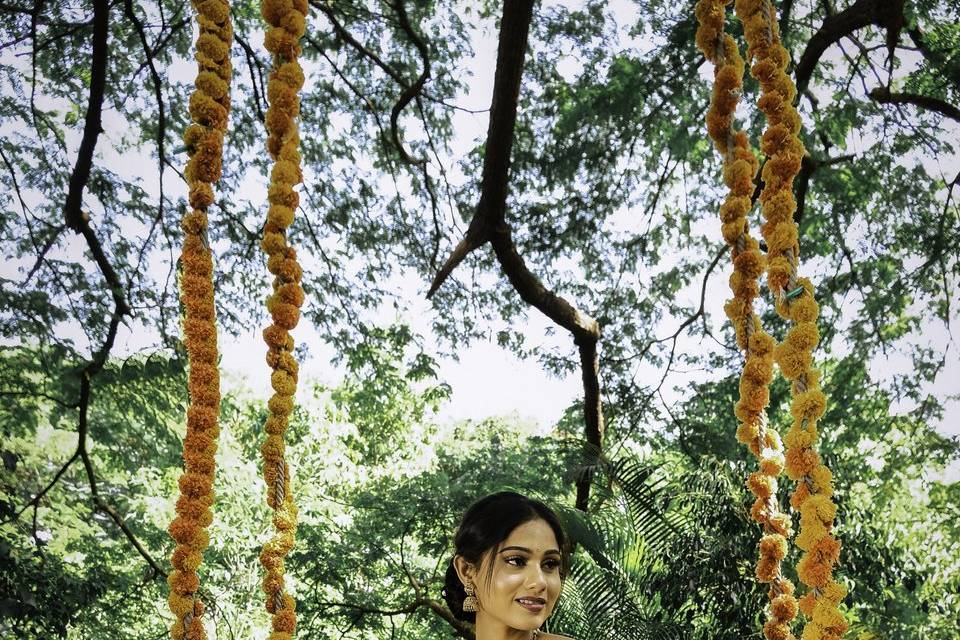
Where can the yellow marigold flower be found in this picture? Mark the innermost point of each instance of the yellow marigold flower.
(812, 631)
(808, 537)
(783, 238)
(750, 263)
(272, 583)
(194, 484)
(834, 592)
(273, 242)
(826, 615)
(295, 23)
(746, 432)
(735, 308)
(286, 362)
(280, 405)
(284, 521)
(207, 111)
(732, 230)
(804, 335)
(798, 438)
(283, 383)
(821, 505)
(809, 404)
(180, 605)
(212, 47)
(280, 216)
(734, 207)
(792, 361)
(275, 337)
(183, 581)
(217, 11)
(285, 315)
(278, 122)
(291, 293)
(273, 448)
(291, 74)
(827, 550)
(807, 604)
(285, 172)
(213, 85)
(771, 104)
(201, 195)
(274, 10)
(281, 42)
(290, 270)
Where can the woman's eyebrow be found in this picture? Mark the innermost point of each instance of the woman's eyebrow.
(525, 550)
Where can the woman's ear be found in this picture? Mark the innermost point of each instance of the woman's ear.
(465, 571)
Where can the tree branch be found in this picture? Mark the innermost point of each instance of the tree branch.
(411, 91)
(883, 95)
(74, 216)
(489, 225)
(835, 27)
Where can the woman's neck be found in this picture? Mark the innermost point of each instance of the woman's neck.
(495, 630)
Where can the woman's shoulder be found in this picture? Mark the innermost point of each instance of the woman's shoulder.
(553, 636)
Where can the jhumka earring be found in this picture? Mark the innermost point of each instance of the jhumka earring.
(470, 602)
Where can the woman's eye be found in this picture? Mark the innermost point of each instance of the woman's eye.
(552, 564)
(517, 561)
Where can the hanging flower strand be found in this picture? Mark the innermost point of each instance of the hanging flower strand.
(739, 171)
(209, 107)
(287, 20)
(794, 301)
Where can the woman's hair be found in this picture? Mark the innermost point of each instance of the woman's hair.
(485, 526)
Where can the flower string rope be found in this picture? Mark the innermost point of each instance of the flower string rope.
(287, 20)
(209, 108)
(739, 171)
(794, 301)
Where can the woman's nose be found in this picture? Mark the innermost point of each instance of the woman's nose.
(536, 577)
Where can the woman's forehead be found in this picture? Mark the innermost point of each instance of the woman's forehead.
(534, 535)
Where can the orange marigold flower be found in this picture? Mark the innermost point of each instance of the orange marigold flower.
(772, 465)
(773, 546)
(776, 630)
(767, 569)
(784, 607)
(761, 485)
(274, 10)
(781, 524)
(285, 621)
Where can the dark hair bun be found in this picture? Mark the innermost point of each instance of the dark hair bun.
(454, 594)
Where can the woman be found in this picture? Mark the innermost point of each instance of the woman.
(510, 561)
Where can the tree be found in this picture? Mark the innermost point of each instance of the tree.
(597, 172)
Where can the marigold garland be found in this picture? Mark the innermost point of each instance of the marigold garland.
(794, 301)
(287, 20)
(209, 107)
(739, 171)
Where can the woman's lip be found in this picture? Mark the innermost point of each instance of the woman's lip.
(529, 606)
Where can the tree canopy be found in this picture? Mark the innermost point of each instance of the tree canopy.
(591, 200)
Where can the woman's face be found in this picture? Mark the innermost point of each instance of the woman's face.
(525, 583)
